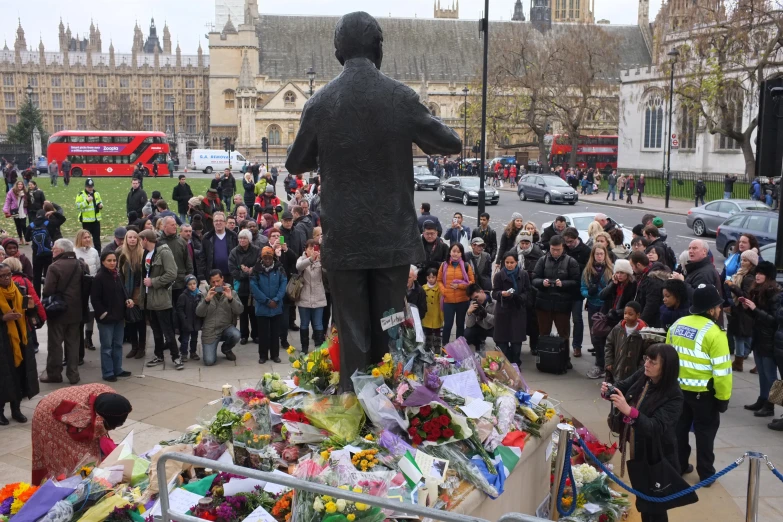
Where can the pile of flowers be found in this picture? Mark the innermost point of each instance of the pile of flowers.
(294, 416)
(14, 496)
(385, 369)
(314, 371)
(433, 423)
(603, 452)
(341, 510)
(273, 386)
(365, 460)
(251, 396)
(282, 508)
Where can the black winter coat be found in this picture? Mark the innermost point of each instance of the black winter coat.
(612, 307)
(206, 259)
(701, 273)
(135, 201)
(740, 318)
(429, 217)
(107, 296)
(765, 322)
(35, 202)
(182, 194)
(238, 257)
(434, 256)
(249, 197)
(482, 269)
(16, 382)
(490, 238)
(649, 293)
(581, 253)
(510, 312)
(186, 312)
(417, 296)
(229, 185)
(658, 415)
(549, 233)
(506, 244)
(553, 298)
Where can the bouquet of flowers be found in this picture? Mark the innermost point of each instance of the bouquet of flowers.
(330, 509)
(292, 415)
(314, 371)
(385, 369)
(602, 451)
(250, 396)
(365, 460)
(222, 425)
(434, 424)
(14, 496)
(341, 415)
(311, 470)
(497, 368)
(273, 386)
(282, 508)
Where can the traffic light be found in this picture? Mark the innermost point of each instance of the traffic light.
(264, 144)
(226, 144)
(477, 147)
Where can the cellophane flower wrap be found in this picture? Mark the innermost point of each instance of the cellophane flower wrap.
(273, 386)
(341, 415)
(497, 368)
(435, 424)
(460, 462)
(464, 357)
(314, 371)
(334, 509)
(379, 408)
(311, 470)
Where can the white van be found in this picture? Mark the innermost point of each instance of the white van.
(209, 160)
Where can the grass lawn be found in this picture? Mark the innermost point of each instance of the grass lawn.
(113, 191)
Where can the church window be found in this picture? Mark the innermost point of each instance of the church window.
(274, 135)
(80, 101)
(146, 83)
(168, 83)
(103, 82)
(732, 120)
(59, 123)
(290, 98)
(190, 101)
(10, 100)
(8, 80)
(190, 124)
(147, 123)
(124, 82)
(81, 122)
(33, 81)
(78, 81)
(190, 83)
(434, 109)
(146, 102)
(653, 122)
(688, 122)
(57, 101)
(230, 98)
(56, 81)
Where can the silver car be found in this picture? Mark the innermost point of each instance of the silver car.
(707, 218)
(581, 220)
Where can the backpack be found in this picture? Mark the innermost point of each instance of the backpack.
(42, 241)
(292, 185)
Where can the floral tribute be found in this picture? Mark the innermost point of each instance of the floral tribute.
(365, 460)
(14, 496)
(330, 509)
(314, 371)
(434, 423)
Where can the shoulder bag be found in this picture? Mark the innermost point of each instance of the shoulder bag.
(294, 287)
(776, 393)
(654, 476)
(55, 304)
(133, 314)
(602, 325)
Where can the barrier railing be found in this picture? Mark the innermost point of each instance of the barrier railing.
(303, 485)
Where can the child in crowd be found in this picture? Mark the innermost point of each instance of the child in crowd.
(433, 319)
(675, 302)
(625, 346)
(189, 322)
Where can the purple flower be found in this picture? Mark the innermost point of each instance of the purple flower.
(225, 512)
(432, 381)
(5, 507)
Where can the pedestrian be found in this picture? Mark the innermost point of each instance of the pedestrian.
(612, 181)
(454, 276)
(85, 252)
(700, 190)
(155, 168)
(510, 292)
(64, 278)
(557, 227)
(42, 237)
(640, 188)
(250, 190)
(216, 247)
(480, 318)
(179, 249)
(432, 323)
(229, 186)
(170, 165)
(182, 194)
(740, 322)
(415, 293)
(160, 271)
(427, 216)
(675, 303)
(189, 323)
(596, 277)
(108, 299)
(509, 237)
(268, 286)
(136, 198)
(705, 378)
(485, 232)
(458, 233)
(130, 258)
(650, 403)
(65, 166)
(241, 261)
(16, 202)
(699, 269)
(728, 186)
(312, 299)
(219, 311)
(650, 277)
(625, 346)
(89, 205)
(35, 199)
(53, 172)
(481, 263)
(621, 186)
(629, 188)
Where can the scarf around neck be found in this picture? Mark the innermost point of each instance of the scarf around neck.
(11, 300)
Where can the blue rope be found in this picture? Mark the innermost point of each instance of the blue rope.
(648, 498)
(777, 474)
(568, 473)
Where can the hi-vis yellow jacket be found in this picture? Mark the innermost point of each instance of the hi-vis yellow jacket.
(704, 354)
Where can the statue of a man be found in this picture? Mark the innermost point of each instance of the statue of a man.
(360, 130)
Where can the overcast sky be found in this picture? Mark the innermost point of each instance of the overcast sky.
(187, 18)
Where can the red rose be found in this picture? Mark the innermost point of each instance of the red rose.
(425, 411)
(417, 440)
(412, 431)
(447, 433)
(429, 426)
(436, 433)
(444, 420)
(432, 437)
(415, 421)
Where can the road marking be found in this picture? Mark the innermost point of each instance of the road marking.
(693, 237)
(677, 222)
(545, 212)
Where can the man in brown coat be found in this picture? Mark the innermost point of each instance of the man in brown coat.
(64, 278)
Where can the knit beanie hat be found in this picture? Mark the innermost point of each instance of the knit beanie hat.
(194, 201)
(751, 255)
(516, 215)
(624, 266)
(524, 235)
(189, 278)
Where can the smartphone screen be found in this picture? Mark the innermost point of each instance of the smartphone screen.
(282, 240)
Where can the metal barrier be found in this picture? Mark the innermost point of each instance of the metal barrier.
(303, 485)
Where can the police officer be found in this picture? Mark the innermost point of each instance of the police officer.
(89, 205)
(705, 377)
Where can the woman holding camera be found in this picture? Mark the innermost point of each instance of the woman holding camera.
(510, 289)
(650, 402)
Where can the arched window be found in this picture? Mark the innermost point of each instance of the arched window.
(732, 119)
(230, 98)
(274, 135)
(290, 98)
(653, 122)
(689, 120)
(434, 109)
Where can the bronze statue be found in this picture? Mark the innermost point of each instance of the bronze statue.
(360, 129)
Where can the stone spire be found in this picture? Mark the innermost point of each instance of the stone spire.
(519, 12)
(229, 27)
(156, 57)
(166, 39)
(41, 56)
(246, 74)
(5, 47)
(111, 53)
(200, 56)
(251, 12)
(179, 56)
(61, 35)
(20, 44)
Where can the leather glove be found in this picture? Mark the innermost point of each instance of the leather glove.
(722, 406)
(592, 290)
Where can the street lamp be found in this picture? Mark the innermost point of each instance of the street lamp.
(674, 54)
(311, 77)
(29, 91)
(484, 27)
(465, 131)
(170, 98)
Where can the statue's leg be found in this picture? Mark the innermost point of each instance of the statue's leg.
(350, 291)
(387, 291)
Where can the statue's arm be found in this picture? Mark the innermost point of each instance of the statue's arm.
(303, 156)
(431, 135)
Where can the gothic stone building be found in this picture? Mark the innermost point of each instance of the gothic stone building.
(169, 89)
(259, 83)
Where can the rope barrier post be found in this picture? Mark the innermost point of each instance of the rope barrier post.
(754, 476)
(565, 433)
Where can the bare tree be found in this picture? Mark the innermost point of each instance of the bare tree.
(730, 49)
(116, 112)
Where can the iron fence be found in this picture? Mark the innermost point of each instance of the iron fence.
(684, 184)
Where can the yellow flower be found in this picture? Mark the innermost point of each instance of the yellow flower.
(310, 366)
(246, 417)
(290, 350)
(325, 455)
(413, 377)
(369, 437)
(357, 489)
(376, 372)
(325, 352)
(331, 507)
(485, 388)
(364, 462)
(361, 507)
(296, 364)
(351, 517)
(327, 498)
(345, 488)
(324, 365)
(387, 357)
(16, 506)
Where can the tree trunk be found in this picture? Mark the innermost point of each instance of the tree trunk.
(574, 137)
(750, 160)
(543, 160)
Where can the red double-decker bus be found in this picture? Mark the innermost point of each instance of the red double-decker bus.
(109, 153)
(597, 152)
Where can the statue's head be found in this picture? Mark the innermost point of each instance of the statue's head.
(358, 35)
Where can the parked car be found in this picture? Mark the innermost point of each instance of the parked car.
(505, 160)
(761, 223)
(41, 165)
(423, 179)
(465, 188)
(581, 220)
(707, 218)
(549, 189)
